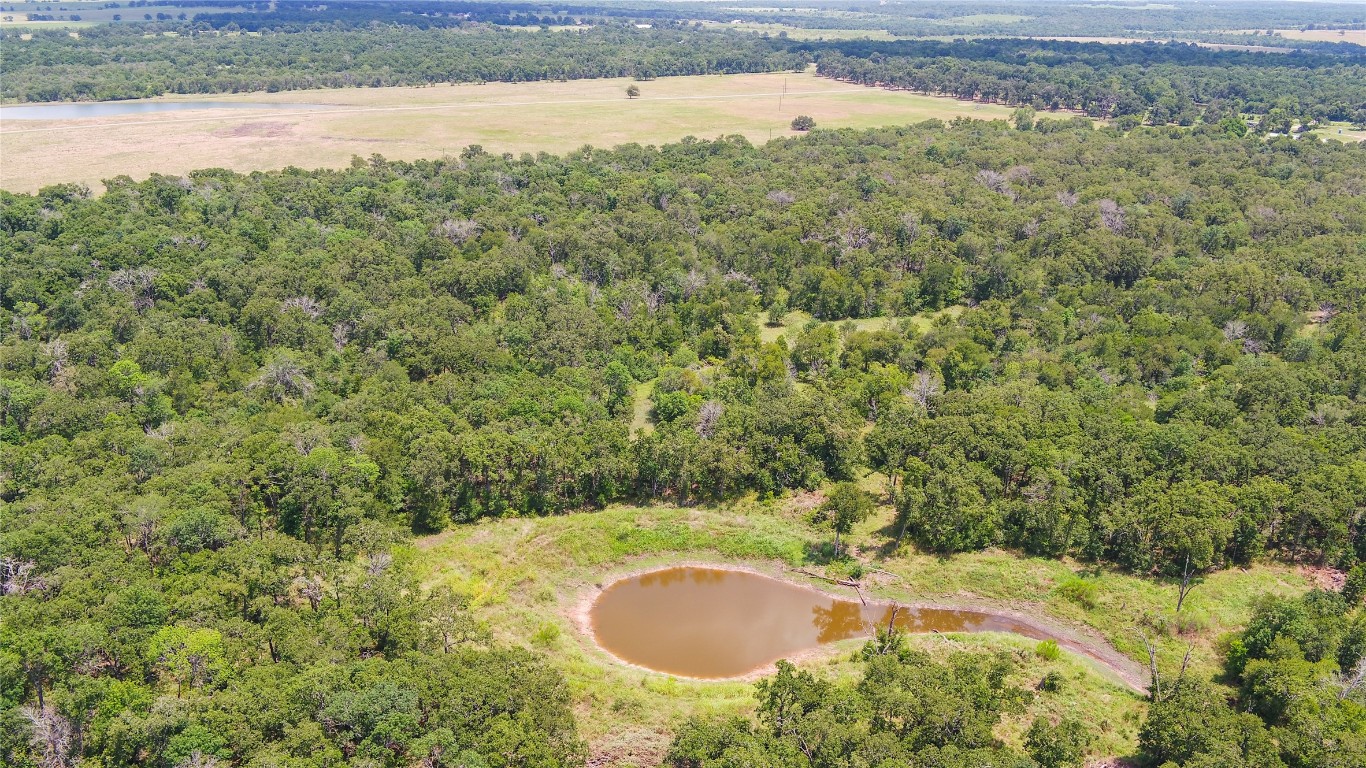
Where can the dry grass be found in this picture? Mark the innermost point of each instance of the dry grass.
(412, 123)
(1357, 36)
(1272, 48)
(804, 33)
(21, 21)
(981, 19)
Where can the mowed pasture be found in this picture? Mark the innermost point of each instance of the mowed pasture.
(804, 33)
(1340, 131)
(1357, 36)
(413, 123)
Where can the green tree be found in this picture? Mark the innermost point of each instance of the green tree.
(1193, 725)
(619, 384)
(1057, 745)
(845, 506)
(190, 657)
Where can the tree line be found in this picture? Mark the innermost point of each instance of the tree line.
(1149, 82)
(1158, 83)
(1189, 21)
(1049, 18)
(121, 62)
(907, 708)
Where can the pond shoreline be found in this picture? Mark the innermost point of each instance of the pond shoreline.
(1082, 642)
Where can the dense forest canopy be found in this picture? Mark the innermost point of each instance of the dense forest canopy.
(1077, 250)
(223, 397)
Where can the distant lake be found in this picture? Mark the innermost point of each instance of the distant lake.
(77, 111)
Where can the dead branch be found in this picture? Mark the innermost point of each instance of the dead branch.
(1156, 686)
(841, 582)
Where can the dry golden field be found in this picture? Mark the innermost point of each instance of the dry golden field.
(1357, 36)
(411, 123)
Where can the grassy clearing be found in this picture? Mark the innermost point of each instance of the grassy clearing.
(794, 322)
(805, 33)
(1114, 40)
(412, 123)
(640, 408)
(1339, 132)
(1134, 7)
(981, 19)
(1120, 607)
(21, 21)
(1357, 36)
(526, 576)
(1112, 714)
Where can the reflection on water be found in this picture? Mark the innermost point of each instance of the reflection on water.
(117, 108)
(706, 622)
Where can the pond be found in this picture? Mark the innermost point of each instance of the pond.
(77, 111)
(714, 623)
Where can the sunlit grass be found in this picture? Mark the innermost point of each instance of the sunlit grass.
(793, 323)
(525, 574)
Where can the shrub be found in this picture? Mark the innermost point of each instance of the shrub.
(1355, 587)
(1191, 623)
(1235, 656)
(546, 635)
(1081, 591)
(1048, 650)
(803, 123)
(1057, 746)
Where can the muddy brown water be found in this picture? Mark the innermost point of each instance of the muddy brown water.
(713, 623)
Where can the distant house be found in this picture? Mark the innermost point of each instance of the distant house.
(644, 26)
